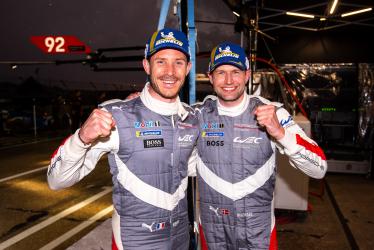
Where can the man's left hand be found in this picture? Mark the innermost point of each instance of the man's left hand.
(266, 117)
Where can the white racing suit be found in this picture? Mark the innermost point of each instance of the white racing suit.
(148, 157)
(236, 172)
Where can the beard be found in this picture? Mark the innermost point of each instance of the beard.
(156, 88)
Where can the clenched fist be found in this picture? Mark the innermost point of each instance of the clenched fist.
(99, 124)
(266, 117)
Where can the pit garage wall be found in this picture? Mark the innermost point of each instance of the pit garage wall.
(345, 44)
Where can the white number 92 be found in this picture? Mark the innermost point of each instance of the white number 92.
(55, 43)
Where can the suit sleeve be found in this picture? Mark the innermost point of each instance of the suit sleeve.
(73, 160)
(303, 152)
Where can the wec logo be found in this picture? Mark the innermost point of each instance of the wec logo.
(248, 140)
(186, 138)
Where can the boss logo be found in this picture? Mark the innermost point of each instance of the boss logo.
(154, 143)
(215, 143)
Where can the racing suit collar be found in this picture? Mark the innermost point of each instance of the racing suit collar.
(236, 110)
(160, 107)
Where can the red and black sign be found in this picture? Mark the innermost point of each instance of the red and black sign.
(60, 44)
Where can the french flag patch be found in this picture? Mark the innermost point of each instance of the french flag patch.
(160, 226)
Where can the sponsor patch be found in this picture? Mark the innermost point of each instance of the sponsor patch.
(154, 226)
(185, 140)
(212, 125)
(154, 143)
(246, 215)
(147, 133)
(215, 143)
(212, 134)
(220, 211)
(246, 142)
(286, 122)
(147, 124)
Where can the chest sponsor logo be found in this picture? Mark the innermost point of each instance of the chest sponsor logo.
(215, 143)
(153, 143)
(147, 124)
(246, 215)
(147, 133)
(212, 134)
(286, 122)
(212, 125)
(248, 140)
(186, 138)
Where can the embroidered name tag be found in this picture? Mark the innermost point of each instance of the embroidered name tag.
(153, 143)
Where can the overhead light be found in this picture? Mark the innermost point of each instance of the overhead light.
(299, 14)
(333, 7)
(236, 14)
(356, 12)
(322, 19)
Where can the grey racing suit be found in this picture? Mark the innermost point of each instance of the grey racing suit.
(236, 172)
(148, 157)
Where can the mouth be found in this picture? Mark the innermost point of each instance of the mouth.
(228, 89)
(168, 83)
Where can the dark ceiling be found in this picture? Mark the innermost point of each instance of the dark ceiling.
(294, 39)
(271, 15)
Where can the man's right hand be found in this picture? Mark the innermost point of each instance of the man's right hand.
(99, 124)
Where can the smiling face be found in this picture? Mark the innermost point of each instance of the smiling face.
(167, 69)
(229, 83)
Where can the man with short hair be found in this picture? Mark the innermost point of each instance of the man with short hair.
(236, 156)
(149, 140)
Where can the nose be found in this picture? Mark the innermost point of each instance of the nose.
(229, 78)
(170, 69)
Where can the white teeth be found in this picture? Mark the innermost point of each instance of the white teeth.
(229, 89)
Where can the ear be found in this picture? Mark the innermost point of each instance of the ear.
(146, 66)
(189, 65)
(210, 75)
(247, 75)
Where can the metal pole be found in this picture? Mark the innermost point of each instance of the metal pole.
(192, 41)
(163, 14)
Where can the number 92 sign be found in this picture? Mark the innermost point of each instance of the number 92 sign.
(60, 44)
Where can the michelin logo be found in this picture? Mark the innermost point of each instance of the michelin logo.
(226, 52)
(147, 133)
(169, 38)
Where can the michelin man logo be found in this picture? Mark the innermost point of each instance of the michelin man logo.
(225, 50)
(168, 36)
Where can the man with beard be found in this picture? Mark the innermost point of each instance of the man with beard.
(149, 140)
(236, 156)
